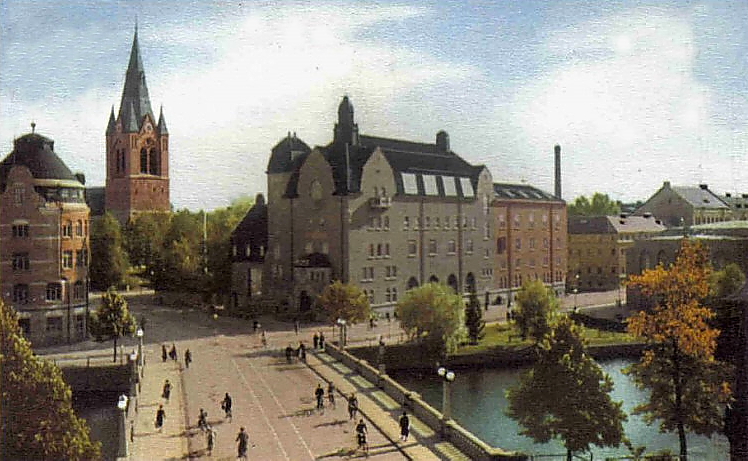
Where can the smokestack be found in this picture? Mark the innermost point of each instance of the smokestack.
(557, 157)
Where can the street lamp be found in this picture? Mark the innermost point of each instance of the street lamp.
(122, 406)
(141, 361)
(576, 290)
(342, 323)
(448, 376)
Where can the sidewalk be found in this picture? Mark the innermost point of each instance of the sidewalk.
(171, 442)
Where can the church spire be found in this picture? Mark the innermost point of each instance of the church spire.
(111, 126)
(135, 93)
(162, 122)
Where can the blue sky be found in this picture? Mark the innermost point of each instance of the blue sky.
(635, 92)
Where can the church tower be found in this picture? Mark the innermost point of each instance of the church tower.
(137, 149)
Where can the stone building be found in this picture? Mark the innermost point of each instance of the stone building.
(678, 206)
(727, 243)
(530, 236)
(385, 214)
(598, 246)
(249, 242)
(739, 205)
(44, 244)
(137, 152)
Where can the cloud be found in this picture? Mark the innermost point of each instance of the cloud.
(623, 100)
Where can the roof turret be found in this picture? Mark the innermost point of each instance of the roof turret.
(112, 125)
(36, 152)
(162, 122)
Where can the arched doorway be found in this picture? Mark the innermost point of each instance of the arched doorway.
(452, 282)
(470, 282)
(412, 283)
(305, 302)
(433, 279)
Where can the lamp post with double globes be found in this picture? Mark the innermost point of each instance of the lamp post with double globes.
(448, 376)
(141, 360)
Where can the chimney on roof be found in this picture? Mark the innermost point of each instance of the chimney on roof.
(442, 141)
(745, 195)
(557, 171)
(728, 195)
(703, 186)
(81, 178)
(666, 185)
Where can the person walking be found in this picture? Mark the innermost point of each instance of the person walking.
(296, 326)
(321, 340)
(331, 394)
(211, 439)
(243, 438)
(302, 351)
(352, 406)
(160, 417)
(173, 352)
(187, 358)
(289, 354)
(361, 432)
(167, 391)
(319, 393)
(163, 352)
(315, 340)
(404, 427)
(226, 405)
(264, 340)
(202, 420)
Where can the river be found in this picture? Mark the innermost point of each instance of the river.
(100, 411)
(479, 405)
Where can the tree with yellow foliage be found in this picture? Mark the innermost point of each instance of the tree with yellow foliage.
(688, 387)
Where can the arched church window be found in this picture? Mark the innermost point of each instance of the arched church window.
(155, 166)
(143, 161)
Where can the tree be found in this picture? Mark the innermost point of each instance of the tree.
(727, 281)
(113, 319)
(435, 313)
(344, 301)
(108, 258)
(566, 395)
(687, 385)
(728, 312)
(598, 205)
(536, 305)
(474, 319)
(37, 417)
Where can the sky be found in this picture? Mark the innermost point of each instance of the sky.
(635, 92)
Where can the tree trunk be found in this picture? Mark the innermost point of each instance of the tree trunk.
(568, 455)
(678, 388)
(115, 350)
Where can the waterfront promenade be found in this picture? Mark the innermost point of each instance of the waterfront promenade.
(273, 400)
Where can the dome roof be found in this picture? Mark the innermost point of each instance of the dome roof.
(286, 152)
(36, 152)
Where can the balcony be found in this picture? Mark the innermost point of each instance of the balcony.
(379, 202)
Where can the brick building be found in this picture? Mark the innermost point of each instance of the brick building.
(531, 240)
(678, 206)
(385, 214)
(44, 245)
(598, 246)
(137, 152)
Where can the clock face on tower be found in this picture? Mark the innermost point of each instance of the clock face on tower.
(148, 127)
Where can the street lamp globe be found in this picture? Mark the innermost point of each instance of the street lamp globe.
(441, 371)
(139, 333)
(449, 376)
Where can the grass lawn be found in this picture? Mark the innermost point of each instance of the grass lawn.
(507, 336)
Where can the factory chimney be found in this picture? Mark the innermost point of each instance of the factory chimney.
(557, 156)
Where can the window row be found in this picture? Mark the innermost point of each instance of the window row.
(53, 292)
(531, 243)
(367, 275)
(416, 224)
(81, 228)
(517, 219)
(379, 250)
(317, 247)
(390, 295)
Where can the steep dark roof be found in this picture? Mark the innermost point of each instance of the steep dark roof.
(284, 155)
(590, 225)
(521, 192)
(135, 102)
(36, 152)
(96, 200)
(112, 125)
(162, 122)
(252, 231)
(699, 197)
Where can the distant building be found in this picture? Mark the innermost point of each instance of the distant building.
(530, 236)
(598, 246)
(739, 205)
(137, 151)
(678, 206)
(44, 242)
(727, 243)
(249, 242)
(387, 215)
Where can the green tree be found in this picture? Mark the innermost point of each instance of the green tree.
(727, 281)
(435, 313)
(598, 205)
(474, 319)
(536, 305)
(344, 301)
(688, 387)
(36, 412)
(143, 238)
(108, 258)
(566, 395)
(113, 319)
